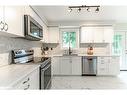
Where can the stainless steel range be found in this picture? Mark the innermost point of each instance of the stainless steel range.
(26, 57)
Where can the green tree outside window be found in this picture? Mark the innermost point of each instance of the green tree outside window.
(69, 39)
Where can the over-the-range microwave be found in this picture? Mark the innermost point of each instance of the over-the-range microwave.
(33, 30)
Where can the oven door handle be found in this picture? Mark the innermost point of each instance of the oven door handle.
(46, 67)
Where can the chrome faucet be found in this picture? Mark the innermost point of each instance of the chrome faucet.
(70, 52)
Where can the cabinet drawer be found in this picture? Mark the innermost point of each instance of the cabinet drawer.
(23, 84)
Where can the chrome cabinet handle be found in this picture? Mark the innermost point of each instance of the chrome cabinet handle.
(1, 25)
(28, 86)
(5, 26)
(26, 81)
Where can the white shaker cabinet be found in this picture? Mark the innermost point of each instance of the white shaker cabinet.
(14, 18)
(108, 65)
(108, 34)
(55, 65)
(53, 33)
(114, 66)
(102, 66)
(65, 66)
(96, 34)
(76, 66)
(86, 35)
(30, 82)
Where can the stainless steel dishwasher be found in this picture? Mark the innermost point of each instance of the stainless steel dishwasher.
(89, 65)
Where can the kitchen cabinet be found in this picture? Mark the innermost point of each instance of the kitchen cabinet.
(102, 65)
(114, 66)
(55, 65)
(108, 34)
(76, 66)
(53, 33)
(29, 82)
(14, 18)
(66, 66)
(108, 65)
(96, 34)
(87, 35)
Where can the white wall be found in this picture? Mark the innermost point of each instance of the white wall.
(7, 44)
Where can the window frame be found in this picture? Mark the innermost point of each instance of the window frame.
(69, 30)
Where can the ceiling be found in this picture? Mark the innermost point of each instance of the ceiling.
(60, 13)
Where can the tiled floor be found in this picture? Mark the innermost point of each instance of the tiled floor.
(90, 82)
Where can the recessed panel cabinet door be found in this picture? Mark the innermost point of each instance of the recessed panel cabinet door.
(65, 66)
(76, 66)
(14, 19)
(56, 65)
(87, 35)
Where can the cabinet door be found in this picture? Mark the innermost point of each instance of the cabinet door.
(114, 66)
(34, 79)
(87, 35)
(102, 66)
(56, 65)
(76, 65)
(65, 66)
(98, 34)
(1, 17)
(108, 34)
(53, 34)
(14, 19)
(30, 82)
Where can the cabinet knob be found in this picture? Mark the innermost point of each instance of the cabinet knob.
(26, 81)
(1, 25)
(28, 86)
(5, 26)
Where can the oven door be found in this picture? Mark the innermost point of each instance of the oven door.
(46, 77)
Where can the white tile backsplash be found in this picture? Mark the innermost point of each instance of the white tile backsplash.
(7, 44)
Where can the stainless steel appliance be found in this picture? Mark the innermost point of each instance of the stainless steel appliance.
(89, 65)
(33, 30)
(45, 73)
(26, 57)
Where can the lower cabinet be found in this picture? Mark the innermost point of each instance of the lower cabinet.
(108, 65)
(66, 65)
(30, 82)
(55, 65)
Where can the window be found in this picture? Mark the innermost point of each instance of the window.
(69, 38)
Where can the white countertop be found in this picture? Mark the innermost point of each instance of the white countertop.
(11, 74)
(55, 55)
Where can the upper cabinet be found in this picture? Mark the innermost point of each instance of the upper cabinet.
(96, 34)
(11, 20)
(14, 19)
(53, 34)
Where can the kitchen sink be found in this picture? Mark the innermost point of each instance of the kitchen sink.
(70, 54)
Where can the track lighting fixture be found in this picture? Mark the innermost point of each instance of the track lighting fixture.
(97, 10)
(88, 9)
(79, 8)
(69, 10)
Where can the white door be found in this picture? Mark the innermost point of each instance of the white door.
(98, 34)
(87, 35)
(14, 18)
(65, 66)
(76, 65)
(119, 48)
(56, 65)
